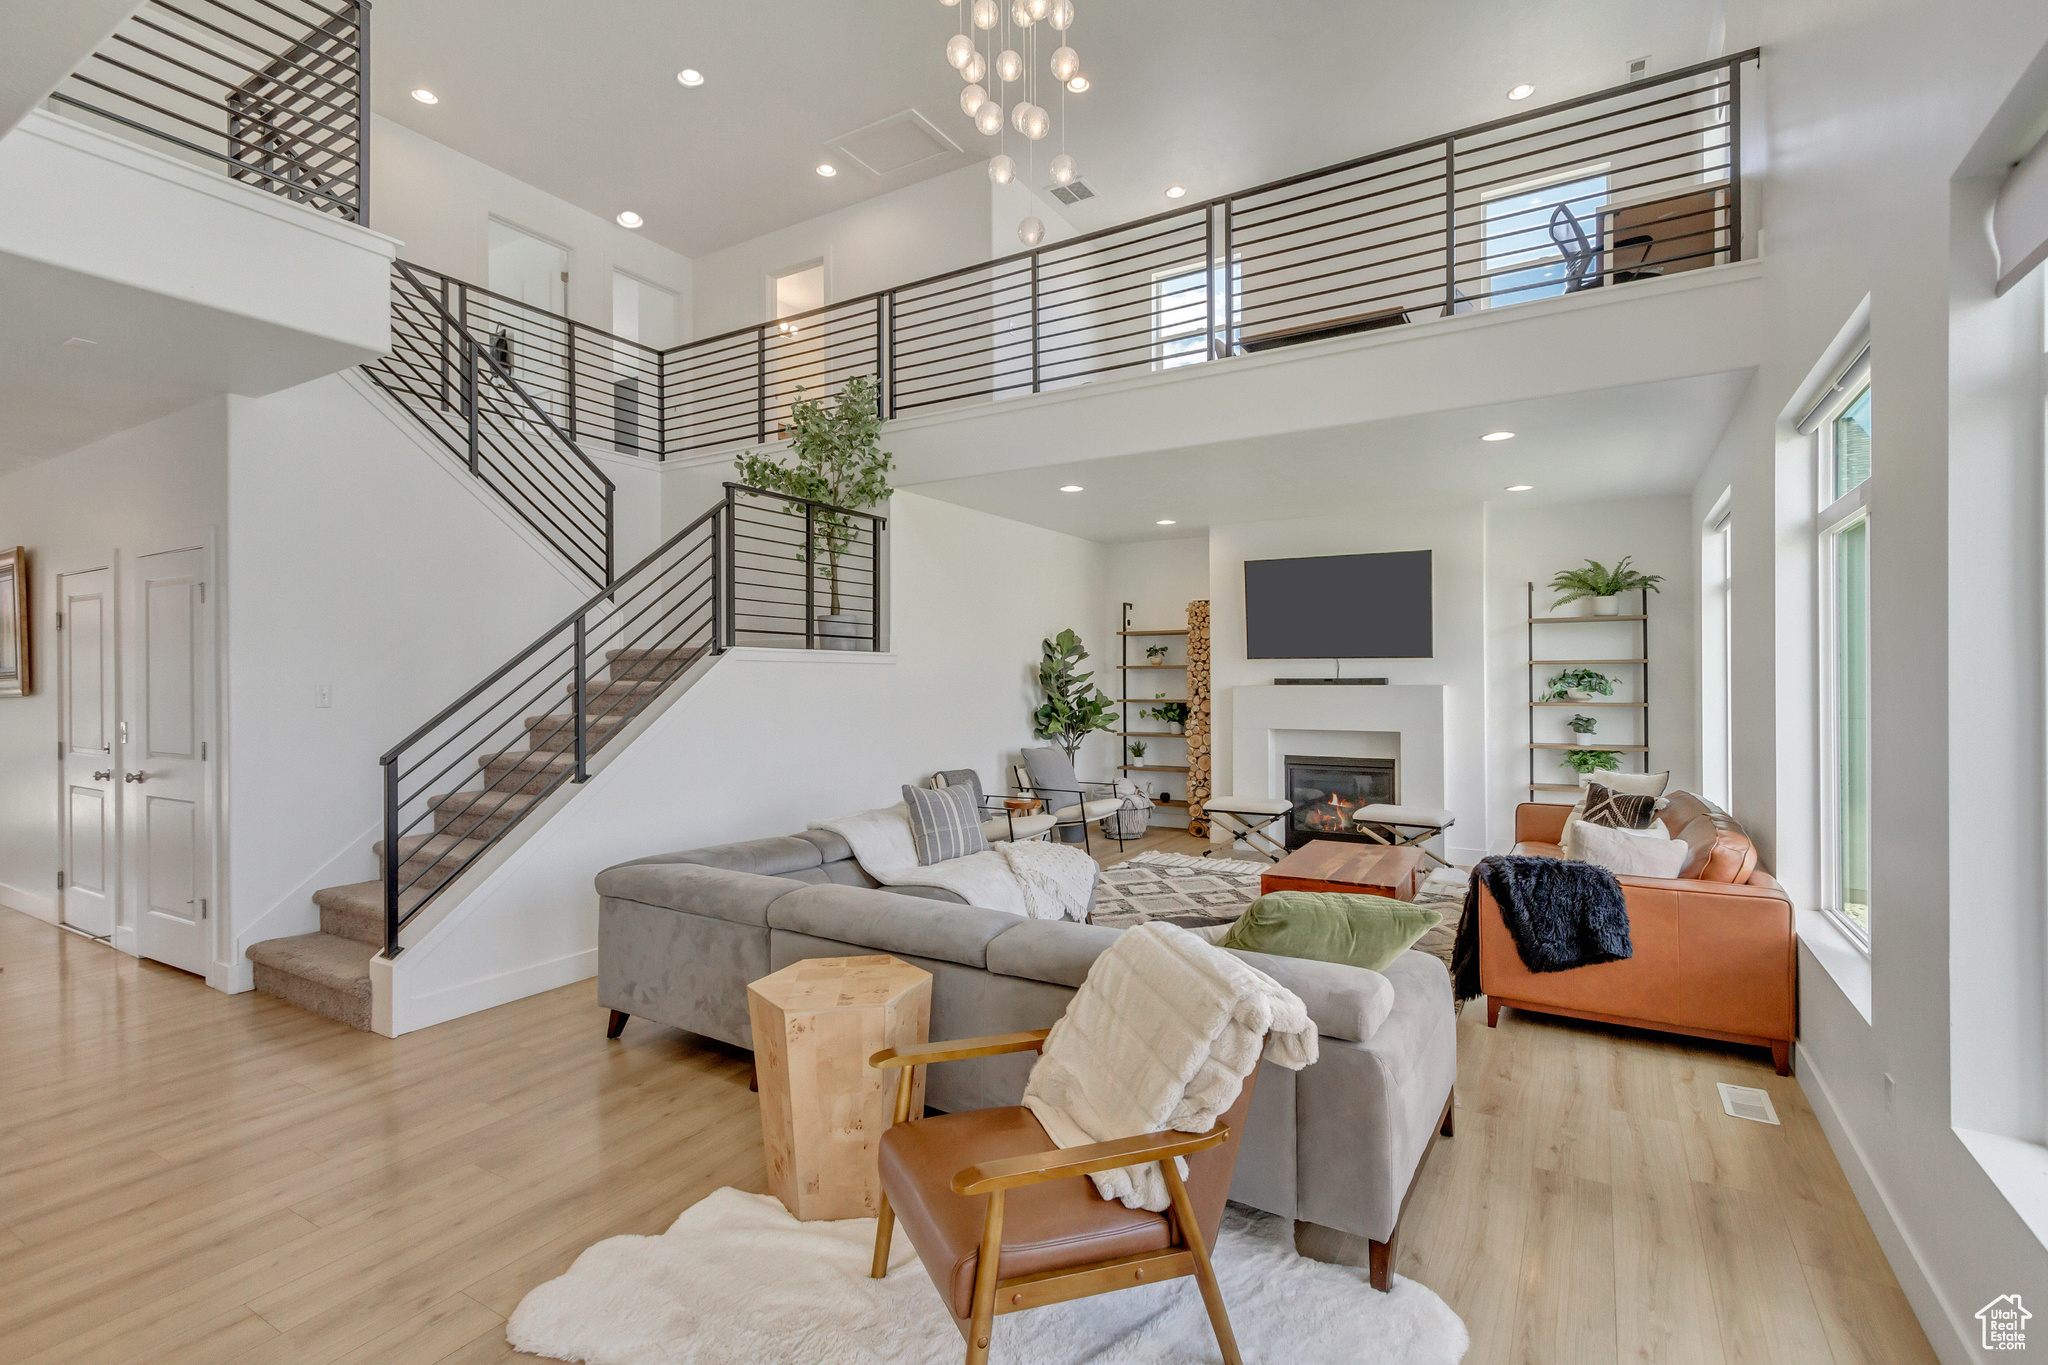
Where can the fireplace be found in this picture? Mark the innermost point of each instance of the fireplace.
(1325, 791)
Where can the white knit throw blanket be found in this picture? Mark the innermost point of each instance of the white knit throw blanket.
(1041, 888)
(1160, 1036)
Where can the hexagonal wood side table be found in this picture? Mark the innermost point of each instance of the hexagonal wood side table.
(823, 1108)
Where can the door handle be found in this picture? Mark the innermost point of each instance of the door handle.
(136, 777)
(104, 775)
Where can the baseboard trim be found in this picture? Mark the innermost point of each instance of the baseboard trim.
(1900, 1249)
(43, 908)
(453, 1002)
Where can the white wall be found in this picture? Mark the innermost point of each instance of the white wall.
(440, 203)
(125, 495)
(769, 740)
(1158, 578)
(923, 229)
(1925, 1065)
(366, 559)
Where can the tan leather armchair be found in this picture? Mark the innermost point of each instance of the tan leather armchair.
(1004, 1220)
(1716, 955)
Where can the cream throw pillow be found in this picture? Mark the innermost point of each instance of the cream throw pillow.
(1569, 843)
(1628, 852)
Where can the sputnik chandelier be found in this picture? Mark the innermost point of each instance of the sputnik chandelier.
(1007, 67)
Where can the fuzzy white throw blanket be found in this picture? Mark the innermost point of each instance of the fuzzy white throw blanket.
(1160, 1036)
(1053, 883)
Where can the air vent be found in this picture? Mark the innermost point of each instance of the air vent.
(1747, 1102)
(894, 144)
(1638, 67)
(1072, 194)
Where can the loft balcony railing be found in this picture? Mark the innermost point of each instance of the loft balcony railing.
(277, 90)
(1629, 184)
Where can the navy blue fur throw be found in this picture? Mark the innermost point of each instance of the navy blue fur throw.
(1561, 915)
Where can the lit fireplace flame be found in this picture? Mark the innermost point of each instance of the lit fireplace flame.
(1331, 813)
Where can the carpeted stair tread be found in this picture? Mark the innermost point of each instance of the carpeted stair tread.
(556, 732)
(320, 972)
(479, 814)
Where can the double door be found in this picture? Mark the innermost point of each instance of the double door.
(136, 801)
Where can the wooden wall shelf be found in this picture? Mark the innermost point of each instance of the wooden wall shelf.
(1127, 734)
(1638, 621)
(1579, 620)
(1182, 631)
(1153, 768)
(1133, 666)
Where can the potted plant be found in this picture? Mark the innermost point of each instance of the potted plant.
(1591, 760)
(835, 457)
(1072, 710)
(1581, 726)
(1155, 652)
(1577, 684)
(1174, 713)
(1137, 748)
(1603, 585)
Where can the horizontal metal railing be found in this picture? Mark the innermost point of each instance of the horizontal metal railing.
(465, 387)
(276, 89)
(756, 568)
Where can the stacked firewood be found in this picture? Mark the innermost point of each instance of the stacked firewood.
(1198, 718)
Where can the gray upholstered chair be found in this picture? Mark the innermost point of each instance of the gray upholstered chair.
(1003, 824)
(1048, 774)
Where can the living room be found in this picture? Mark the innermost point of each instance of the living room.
(818, 438)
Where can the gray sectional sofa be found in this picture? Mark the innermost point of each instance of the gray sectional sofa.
(1337, 1144)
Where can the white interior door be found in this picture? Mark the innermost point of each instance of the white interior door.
(88, 829)
(168, 662)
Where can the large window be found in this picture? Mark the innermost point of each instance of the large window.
(1717, 620)
(1180, 314)
(1523, 259)
(1845, 465)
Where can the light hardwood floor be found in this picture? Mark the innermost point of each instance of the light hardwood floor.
(192, 1177)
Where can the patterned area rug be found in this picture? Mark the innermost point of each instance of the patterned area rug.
(1180, 888)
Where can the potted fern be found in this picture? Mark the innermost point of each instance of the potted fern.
(835, 457)
(1603, 585)
(1591, 760)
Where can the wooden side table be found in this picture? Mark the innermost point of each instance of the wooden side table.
(823, 1108)
(1333, 865)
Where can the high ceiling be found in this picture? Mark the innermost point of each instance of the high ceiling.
(580, 98)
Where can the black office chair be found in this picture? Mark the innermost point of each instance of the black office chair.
(1580, 259)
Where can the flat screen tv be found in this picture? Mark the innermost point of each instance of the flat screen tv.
(1339, 607)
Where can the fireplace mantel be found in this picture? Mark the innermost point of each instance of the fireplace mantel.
(1269, 722)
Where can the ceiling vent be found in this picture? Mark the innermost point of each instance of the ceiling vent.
(1071, 194)
(1638, 67)
(896, 143)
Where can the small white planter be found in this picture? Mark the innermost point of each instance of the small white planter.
(842, 632)
(1574, 694)
(1607, 606)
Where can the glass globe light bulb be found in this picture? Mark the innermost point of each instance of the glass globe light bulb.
(1020, 15)
(1063, 170)
(1037, 123)
(1002, 170)
(1065, 63)
(1009, 66)
(1038, 9)
(976, 70)
(949, 3)
(985, 13)
(1017, 113)
(1061, 15)
(959, 48)
(971, 99)
(989, 118)
(1031, 232)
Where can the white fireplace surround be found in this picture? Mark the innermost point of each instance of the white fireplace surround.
(1404, 722)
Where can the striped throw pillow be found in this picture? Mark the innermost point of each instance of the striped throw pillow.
(944, 823)
(1618, 810)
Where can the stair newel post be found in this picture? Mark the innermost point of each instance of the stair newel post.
(732, 560)
(810, 576)
(761, 382)
(875, 525)
(610, 574)
(582, 711)
(391, 858)
(717, 585)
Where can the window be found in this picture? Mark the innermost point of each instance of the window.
(1180, 314)
(1845, 463)
(1523, 261)
(1717, 718)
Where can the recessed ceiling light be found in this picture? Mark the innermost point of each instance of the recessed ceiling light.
(1167, 522)
(1175, 191)
(1520, 487)
(1498, 436)
(1079, 85)
(827, 169)
(630, 219)
(1522, 91)
(79, 343)
(689, 75)
(1070, 488)
(426, 96)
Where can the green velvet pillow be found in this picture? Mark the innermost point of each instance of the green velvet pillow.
(1331, 926)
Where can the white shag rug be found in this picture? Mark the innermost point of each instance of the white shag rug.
(737, 1280)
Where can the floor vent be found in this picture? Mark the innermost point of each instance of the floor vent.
(1072, 194)
(1747, 1102)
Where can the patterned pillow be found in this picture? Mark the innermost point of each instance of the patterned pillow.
(944, 823)
(1618, 810)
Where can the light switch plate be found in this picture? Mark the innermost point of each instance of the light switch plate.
(323, 695)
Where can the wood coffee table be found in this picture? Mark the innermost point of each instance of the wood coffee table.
(1333, 865)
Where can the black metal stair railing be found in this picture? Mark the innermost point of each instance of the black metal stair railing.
(276, 89)
(740, 574)
(464, 388)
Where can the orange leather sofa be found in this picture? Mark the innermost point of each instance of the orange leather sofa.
(1715, 953)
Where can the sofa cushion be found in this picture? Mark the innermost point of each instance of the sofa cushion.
(1049, 950)
(1721, 848)
(765, 857)
(944, 823)
(711, 892)
(1628, 852)
(1331, 926)
(832, 848)
(891, 923)
(1618, 810)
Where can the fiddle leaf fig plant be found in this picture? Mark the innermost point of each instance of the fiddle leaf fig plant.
(1072, 710)
(1597, 580)
(835, 457)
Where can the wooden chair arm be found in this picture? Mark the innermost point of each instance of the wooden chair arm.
(958, 1050)
(1065, 1162)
